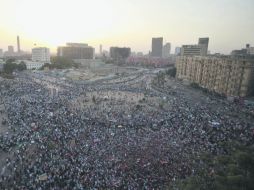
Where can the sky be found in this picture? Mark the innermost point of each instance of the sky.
(127, 23)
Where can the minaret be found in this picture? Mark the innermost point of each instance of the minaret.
(18, 44)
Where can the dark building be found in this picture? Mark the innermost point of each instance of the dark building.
(248, 51)
(203, 42)
(76, 51)
(157, 46)
(18, 44)
(118, 53)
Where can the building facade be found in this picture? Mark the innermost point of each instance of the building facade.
(157, 46)
(200, 49)
(41, 54)
(166, 50)
(191, 50)
(76, 51)
(177, 51)
(1, 53)
(118, 53)
(33, 65)
(203, 42)
(18, 44)
(10, 49)
(223, 75)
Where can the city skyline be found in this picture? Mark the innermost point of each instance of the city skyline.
(228, 23)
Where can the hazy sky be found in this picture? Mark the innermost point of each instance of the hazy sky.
(228, 23)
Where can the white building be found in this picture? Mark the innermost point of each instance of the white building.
(33, 65)
(41, 54)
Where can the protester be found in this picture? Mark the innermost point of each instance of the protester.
(105, 135)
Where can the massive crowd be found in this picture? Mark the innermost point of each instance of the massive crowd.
(53, 143)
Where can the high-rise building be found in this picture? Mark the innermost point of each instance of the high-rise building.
(166, 50)
(157, 45)
(10, 49)
(203, 42)
(41, 54)
(1, 53)
(100, 49)
(177, 51)
(118, 53)
(18, 44)
(76, 51)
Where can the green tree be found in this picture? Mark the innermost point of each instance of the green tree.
(172, 72)
(21, 66)
(234, 171)
(9, 67)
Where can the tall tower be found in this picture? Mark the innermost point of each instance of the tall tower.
(204, 42)
(166, 50)
(18, 44)
(157, 45)
(100, 49)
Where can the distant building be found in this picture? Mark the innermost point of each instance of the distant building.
(71, 44)
(105, 53)
(10, 49)
(100, 49)
(157, 45)
(224, 75)
(251, 50)
(200, 49)
(76, 51)
(239, 52)
(166, 50)
(18, 44)
(149, 61)
(41, 54)
(33, 64)
(118, 53)
(140, 54)
(203, 42)
(191, 50)
(243, 52)
(177, 51)
(1, 53)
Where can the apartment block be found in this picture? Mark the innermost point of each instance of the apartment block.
(224, 75)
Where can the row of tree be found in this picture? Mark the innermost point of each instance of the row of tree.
(231, 171)
(61, 63)
(10, 66)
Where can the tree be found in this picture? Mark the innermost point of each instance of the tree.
(21, 66)
(9, 67)
(231, 172)
(172, 72)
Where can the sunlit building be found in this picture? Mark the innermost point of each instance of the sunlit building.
(76, 51)
(41, 54)
(229, 76)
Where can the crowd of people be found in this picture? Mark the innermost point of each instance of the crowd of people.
(55, 143)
